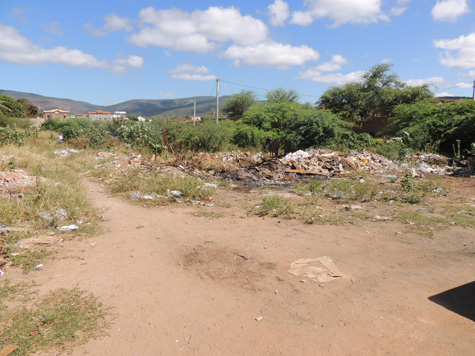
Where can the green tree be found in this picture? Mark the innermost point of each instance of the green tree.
(281, 95)
(296, 126)
(11, 108)
(133, 117)
(30, 109)
(376, 95)
(239, 103)
(429, 125)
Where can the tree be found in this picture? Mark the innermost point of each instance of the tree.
(376, 95)
(11, 108)
(239, 103)
(30, 109)
(133, 117)
(281, 95)
(296, 126)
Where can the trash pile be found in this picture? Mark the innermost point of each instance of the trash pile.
(259, 169)
(331, 163)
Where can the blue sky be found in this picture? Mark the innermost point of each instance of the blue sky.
(108, 52)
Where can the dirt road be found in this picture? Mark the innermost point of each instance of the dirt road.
(180, 284)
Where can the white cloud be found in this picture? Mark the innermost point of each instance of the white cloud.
(464, 85)
(15, 48)
(182, 68)
(331, 78)
(200, 31)
(120, 65)
(443, 94)
(320, 73)
(449, 10)
(166, 95)
(341, 12)
(336, 63)
(277, 55)
(387, 60)
(189, 72)
(115, 23)
(278, 13)
(459, 52)
(431, 81)
(55, 28)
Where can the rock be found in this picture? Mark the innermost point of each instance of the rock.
(40, 240)
(61, 214)
(135, 195)
(46, 216)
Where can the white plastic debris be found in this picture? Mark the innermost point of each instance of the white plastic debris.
(68, 227)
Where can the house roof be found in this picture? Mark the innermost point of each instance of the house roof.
(99, 112)
(56, 110)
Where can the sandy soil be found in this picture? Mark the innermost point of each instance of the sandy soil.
(180, 284)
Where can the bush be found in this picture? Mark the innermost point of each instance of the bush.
(432, 126)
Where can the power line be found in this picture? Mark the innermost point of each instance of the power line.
(253, 87)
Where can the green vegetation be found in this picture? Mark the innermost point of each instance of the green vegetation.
(378, 93)
(430, 126)
(55, 323)
(165, 188)
(237, 104)
(275, 206)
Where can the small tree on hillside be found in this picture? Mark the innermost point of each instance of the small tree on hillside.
(281, 95)
(239, 103)
(377, 94)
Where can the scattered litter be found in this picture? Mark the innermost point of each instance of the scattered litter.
(135, 195)
(46, 216)
(66, 152)
(39, 266)
(39, 240)
(175, 193)
(321, 269)
(210, 185)
(425, 209)
(259, 318)
(60, 214)
(198, 202)
(1, 273)
(68, 227)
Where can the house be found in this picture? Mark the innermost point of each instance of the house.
(119, 115)
(55, 114)
(99, 115)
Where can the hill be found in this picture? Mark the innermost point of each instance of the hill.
(144, 107)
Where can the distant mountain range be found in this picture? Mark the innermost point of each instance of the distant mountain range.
(143, 107)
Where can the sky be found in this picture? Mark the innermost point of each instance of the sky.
(105, 52)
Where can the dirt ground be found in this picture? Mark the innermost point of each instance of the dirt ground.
(181, 284)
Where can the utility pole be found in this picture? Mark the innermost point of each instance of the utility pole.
(217, 100)
(194, 113)
(473, 97)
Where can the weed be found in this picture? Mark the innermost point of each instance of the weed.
(58, 322)
(31, 259)
(274, 205)
(208, 214)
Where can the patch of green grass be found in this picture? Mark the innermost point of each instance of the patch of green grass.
(56, 323)
(342, 189)
(275, 206)
(208, 214)
(31, 259)
(57, 186)
(191, 188)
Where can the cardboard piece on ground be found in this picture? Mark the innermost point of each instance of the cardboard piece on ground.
(321, 269)
(8, 350)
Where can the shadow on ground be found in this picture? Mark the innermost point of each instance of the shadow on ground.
(460, 300)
